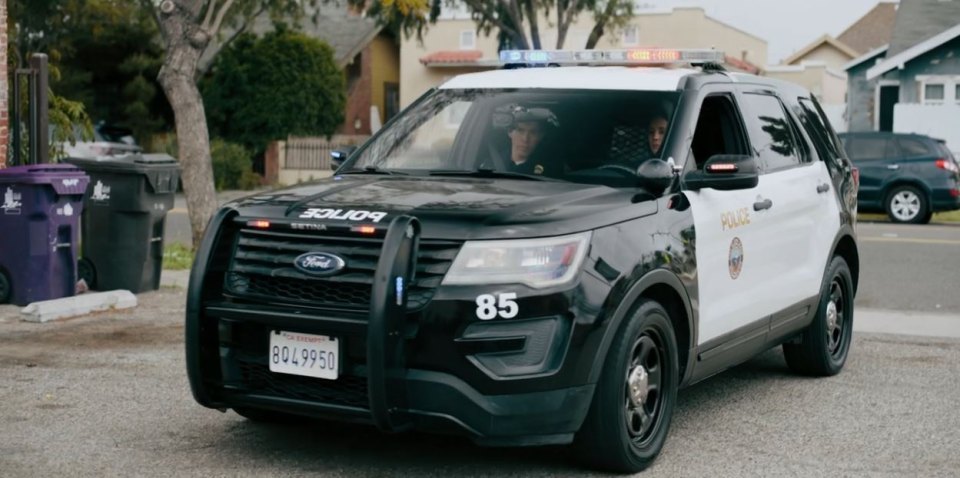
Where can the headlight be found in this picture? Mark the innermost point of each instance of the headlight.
(538, 263)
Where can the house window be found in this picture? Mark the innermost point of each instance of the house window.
(933, 92)
(468, 40)
(631, 35)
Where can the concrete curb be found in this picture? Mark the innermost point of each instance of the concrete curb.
(82, 304)
(924, 324)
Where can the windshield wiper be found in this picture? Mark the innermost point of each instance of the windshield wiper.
(489, 173)
(373, 170)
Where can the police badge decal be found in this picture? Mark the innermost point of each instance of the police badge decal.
(735, 261)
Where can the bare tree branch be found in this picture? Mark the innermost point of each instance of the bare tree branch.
(211, 6)
(205, 64)
(227, 5)
(534, 28)
(488, 11)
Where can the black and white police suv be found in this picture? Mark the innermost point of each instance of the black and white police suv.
(537, 256)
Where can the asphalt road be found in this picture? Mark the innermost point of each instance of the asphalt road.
(107, 396)
(904, 267)
(909, 267)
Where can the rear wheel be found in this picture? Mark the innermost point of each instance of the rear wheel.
(87, 272)
(5, 288)
(826, 342)
(907, 204)
(632, 407)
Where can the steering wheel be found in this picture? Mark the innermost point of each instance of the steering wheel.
(619, 168)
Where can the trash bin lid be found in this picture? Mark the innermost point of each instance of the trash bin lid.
(155, 158)
(65, 178)
(133, 163)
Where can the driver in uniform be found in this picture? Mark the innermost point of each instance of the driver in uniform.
(526, 133)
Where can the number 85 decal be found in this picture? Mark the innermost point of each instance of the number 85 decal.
(502, 305)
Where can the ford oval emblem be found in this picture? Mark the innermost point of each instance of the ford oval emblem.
(319, 263)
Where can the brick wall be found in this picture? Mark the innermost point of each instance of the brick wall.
(4, 112)
(358, 98)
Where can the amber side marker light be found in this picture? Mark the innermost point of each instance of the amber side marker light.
(364, 229)
(259, 224)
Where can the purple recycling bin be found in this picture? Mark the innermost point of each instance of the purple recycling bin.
(40, 208)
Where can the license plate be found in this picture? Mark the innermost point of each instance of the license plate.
(304, 354)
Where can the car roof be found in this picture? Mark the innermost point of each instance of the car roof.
(888, 133)
(576, 77)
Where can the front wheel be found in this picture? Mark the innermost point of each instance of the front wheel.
(907, 204)
(632, 407)
(826, 341)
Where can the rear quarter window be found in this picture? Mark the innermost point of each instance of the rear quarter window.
(915, 147)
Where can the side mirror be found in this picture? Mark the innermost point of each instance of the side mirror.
(724, 172)
(655, 175)
(338, 156)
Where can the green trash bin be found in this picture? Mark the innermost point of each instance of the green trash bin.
(121, 229)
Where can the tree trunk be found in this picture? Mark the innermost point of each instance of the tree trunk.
(184, 44)
(601, 24)
(534, 27)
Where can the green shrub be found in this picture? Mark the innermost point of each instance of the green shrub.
(233, 166)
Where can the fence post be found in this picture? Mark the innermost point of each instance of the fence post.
(38, 63)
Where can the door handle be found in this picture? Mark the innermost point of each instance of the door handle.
(761, 205)
(893, 166)
(823, 188)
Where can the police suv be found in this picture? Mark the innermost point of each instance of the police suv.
(534, 256)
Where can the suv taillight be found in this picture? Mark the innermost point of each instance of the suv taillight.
(855, 172)
(947, 164)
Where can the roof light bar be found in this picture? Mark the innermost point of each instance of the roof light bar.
(633, 56)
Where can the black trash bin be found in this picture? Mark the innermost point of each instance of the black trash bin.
(122, 225)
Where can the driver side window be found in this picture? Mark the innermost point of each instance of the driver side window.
(719, 130)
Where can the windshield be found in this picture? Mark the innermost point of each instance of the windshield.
(567, 135)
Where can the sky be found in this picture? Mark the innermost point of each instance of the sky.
(787, 25)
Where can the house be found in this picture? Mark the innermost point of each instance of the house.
(821, 65)
(369, 56)
(818, 67)
(911, 84)
(452, 46)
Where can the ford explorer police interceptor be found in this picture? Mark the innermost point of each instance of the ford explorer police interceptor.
(516, 258)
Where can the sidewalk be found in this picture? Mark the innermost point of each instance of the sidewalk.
(877, 321)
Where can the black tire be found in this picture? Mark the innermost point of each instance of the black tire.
(620, 434)
(266, 416)
(87, 272)
(907, 205)
(6, 289)
(825, 344)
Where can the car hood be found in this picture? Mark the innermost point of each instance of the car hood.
(449, 208)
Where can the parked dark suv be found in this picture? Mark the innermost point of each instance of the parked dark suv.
(908, 176)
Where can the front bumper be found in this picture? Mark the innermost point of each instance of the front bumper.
(394, 376)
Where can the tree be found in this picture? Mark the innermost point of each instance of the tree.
(260, 90)
(516, 21)
(187, 28)
(104, 54)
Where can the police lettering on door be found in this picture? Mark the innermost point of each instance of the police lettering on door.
(734, 219)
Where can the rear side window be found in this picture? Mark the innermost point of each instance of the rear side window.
(862, 148)
(914, 147)
(771, 132)
(818, 129)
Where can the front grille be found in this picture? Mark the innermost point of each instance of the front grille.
(262, 269)
(244, 355)
(345, 390)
